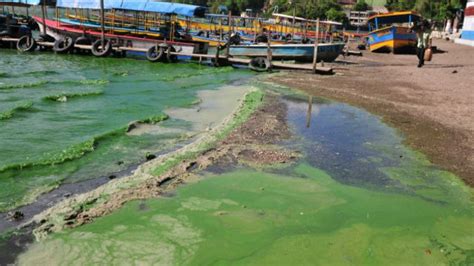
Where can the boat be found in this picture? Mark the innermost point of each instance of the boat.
(391, 32)
(327, 52)
(119, 36)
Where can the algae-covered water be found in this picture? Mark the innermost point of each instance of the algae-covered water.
(357, 197)
(63, 118)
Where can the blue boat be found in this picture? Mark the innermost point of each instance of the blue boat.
(391, 32)
(327, 52)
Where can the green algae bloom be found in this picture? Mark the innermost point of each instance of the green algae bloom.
(23, 106)
(254, 218)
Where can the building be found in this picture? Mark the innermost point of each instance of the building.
(467, 34)
(359, 18)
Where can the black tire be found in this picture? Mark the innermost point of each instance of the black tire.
(171, 58)
(63, 45)
(261, 39)
(99, 51)
(200, 33)
(155, 53)
(235, 39)
(259, 64)
(26, 44)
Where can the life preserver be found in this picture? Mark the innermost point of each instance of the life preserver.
(26, 44)
(155, 53)
(63, 45)
(259, 64)
(100, 51)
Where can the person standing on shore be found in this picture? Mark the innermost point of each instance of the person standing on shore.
(423, 34)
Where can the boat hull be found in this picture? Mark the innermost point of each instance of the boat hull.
(392, 39)
(299, 52)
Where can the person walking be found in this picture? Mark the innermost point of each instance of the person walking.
(423, 35)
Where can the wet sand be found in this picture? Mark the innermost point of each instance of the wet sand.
(433, 106)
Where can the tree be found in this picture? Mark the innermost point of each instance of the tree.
(400, 5)
(361, 6)
(336, 15)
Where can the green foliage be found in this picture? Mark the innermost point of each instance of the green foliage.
(361, 6)
(400, 5)
(437, 10)
(333, 14)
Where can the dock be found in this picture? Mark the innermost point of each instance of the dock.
(221, 58)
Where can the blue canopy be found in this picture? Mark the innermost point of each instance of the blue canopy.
(174, 8)
(87, 4)
(136, 5)
(20, 2)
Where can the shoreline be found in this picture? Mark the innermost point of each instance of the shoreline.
(433, 117)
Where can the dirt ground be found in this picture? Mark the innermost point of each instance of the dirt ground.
(432, 106)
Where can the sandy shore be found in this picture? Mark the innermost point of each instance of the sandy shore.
(432, 106)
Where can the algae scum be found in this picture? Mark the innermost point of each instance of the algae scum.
(63, 119)
(357, 196)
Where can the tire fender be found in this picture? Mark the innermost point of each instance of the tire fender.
(63, 45)
(259, 64)
(26, 44)
(99, 51)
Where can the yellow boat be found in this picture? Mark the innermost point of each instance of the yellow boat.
(391, 32)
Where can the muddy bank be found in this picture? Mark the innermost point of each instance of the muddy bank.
(431, 106)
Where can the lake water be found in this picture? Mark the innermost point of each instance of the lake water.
(357, 197)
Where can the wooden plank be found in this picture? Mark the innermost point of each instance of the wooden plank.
(133, 49)
(319, 69)
(7, 39)
(355, 53)
(50, 44)
(243, 61)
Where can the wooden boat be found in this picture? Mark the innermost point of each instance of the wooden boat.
(327, 52)
(391, 33)
(59, 30)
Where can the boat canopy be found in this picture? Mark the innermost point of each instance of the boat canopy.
(137, 5)
(20, 2)
(395, 17)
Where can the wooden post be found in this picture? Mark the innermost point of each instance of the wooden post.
(102, 21)
(269, 50)
(316, 42)
(216, 62)
(227, 53)
(310, 109)
(43, 15)
(294, 22)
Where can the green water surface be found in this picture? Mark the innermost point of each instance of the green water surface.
(63, 118)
